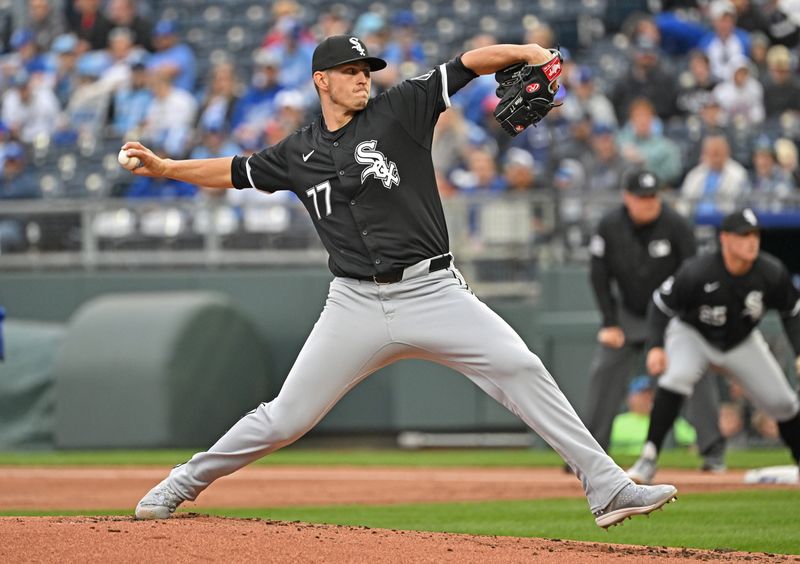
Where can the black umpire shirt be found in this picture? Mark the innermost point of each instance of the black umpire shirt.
(725, 308)
(637, 258)
(369, 186)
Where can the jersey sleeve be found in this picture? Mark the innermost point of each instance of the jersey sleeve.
(266, 170)
(417, 102)
(600, 278)
(668, 300)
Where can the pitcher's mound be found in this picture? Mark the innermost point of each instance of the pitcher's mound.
(193, 538)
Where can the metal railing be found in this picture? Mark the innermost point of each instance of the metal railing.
(499, 240)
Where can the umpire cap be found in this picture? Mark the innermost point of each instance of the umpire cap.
(641, 183)
(340, 49)
(740, 222)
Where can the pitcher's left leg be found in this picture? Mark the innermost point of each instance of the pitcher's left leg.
(453, 327)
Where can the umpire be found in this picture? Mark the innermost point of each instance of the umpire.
(637, 246)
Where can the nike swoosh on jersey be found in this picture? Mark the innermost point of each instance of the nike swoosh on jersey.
(306, 157)
(710, 287)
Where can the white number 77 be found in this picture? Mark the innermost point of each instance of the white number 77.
(312, 193)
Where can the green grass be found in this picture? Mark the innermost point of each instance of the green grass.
(373, 457)
(758, 520)
(754, 521)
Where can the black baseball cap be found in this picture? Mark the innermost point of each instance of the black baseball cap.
(641, 183)
(740, 222)
(340, 49)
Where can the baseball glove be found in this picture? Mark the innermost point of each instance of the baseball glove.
(526, 93)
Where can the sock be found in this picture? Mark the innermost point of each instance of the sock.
(790, 433)
(665, 410)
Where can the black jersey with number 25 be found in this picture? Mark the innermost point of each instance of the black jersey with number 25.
(722, 307)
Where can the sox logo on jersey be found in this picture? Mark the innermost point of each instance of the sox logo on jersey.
(754, 305)
(379, 166)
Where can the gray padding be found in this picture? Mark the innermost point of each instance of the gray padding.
(26, 384)
(156, 370)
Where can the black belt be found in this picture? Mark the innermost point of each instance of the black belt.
(396, 275)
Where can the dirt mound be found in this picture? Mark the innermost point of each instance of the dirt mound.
(193, 538)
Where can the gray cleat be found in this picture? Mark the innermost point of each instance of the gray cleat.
(644, 470)
(159, 503)
(634, 500)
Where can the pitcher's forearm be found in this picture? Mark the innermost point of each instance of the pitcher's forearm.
(492, 58)
(209, 173)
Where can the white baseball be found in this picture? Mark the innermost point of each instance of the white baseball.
(128, 162)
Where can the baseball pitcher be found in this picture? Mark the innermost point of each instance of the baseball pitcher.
(364, 172)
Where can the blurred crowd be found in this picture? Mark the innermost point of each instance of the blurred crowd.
(704, 93)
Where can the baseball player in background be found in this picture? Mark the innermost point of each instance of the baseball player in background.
(710, 310)
(637, 246)
(364, 172)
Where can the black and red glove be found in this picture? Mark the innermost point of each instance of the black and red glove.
(527, 93)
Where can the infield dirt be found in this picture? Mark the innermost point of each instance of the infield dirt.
(191, 537)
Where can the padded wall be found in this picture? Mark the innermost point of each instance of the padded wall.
(26, 384)
(156, 370)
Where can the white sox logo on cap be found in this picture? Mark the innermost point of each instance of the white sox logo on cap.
(358, 46)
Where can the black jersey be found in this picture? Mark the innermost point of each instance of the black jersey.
(722, 307)
(636, 258)
(369, 186)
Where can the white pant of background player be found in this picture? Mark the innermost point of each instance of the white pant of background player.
(750, 364)
(365, 326)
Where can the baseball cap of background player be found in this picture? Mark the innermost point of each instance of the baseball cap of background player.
(740, 222)
(641, 183)
(340, 49)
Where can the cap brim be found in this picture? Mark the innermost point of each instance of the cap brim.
(643, 193)
(375, 63)
(745, 230)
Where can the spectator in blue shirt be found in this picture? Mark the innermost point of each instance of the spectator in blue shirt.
(725, 43)
(295, 57)
(26, 52)
(131, 103)
(172, 55)
(404, 50)
(65, 53)
(215, 143)
(17, 181)
(256, 106)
